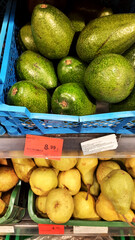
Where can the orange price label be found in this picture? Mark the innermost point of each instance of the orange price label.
(47, 147)
(50, 229)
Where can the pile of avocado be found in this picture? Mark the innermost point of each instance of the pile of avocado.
(67, 64)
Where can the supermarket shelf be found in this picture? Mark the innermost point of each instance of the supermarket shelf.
(14, 146)
(28, 228)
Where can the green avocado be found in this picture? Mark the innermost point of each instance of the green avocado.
(110, 78)
(33, 96)
(71, 69)
(127, 105)
(25, 39)
(130, 55)
(77, 20)
(52, 31)
(36, 68)
(71, 99)
(110, 34)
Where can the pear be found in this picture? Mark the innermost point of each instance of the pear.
(95, 187)
(42, 180)
(133, 198)
(104, 168)
(6, 196)
(84, 207)
(106, 210)
(130, 166)
(118, 187)
(106, 155)
(70, 180)
(3, 207)
(4, 161)
(8, 178)
(23, 168)
(87, 166)
(40, 205)
(67, 161)
(42, 162)
(59, 205)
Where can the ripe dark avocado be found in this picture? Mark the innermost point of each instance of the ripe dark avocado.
(110, 34)
(33, 96)
(71, 99)
(110, 78)
(52, 31)
(36, 68)
(71, 69)
(25, 39)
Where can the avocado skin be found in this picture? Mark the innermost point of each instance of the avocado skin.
(33, 96)
(130, 55)
(25, 38)
(110, 34)
(127, 105)
(52, 31)
(71, 72)
(36, 68)
(71, 99)
(109, 78)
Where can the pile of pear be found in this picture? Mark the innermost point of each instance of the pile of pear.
(8, 180)
(80, 187)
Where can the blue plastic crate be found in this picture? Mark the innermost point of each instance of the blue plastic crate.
(19, 121)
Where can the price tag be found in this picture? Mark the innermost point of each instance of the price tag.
(50, 229)
(6, 229)
(100, 144)
(47, 147)
(92, 230)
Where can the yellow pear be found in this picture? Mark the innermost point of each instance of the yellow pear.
(133, 198)
(3, 207)
(70, 180)
(106, 210)
(104, 168)
(59, 205)
(42, 180)
(67, 161)
(87, 166)
(6, 196)
(84, 207)
(106, 155)
(130, 166)
(23, 168)
(42, 162)
(40, 205)
(8, 178)
(95, 187)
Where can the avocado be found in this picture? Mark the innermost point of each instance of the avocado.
(33, 96)
(71, 69)
(127, 105)
(110, 34)
(105, 12)
(71, 99)
(34, 67)
(25, 38)
(77, 20)
(109, 78)
(52, 31)
(130, 55)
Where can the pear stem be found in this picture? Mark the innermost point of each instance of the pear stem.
(128, 221)
(88, 190)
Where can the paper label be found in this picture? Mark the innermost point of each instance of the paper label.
(93, 230)
(100, 144)
(6, 229)
(47, 147)
(50, 229)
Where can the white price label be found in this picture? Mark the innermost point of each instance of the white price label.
(100, 144)
(6, 229)
(79, 229)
